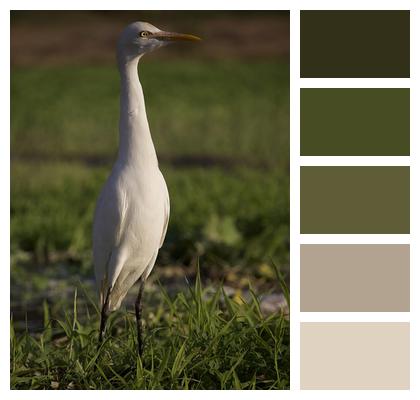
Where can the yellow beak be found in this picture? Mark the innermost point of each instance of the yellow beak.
(173, 36)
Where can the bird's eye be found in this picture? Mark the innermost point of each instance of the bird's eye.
(144, 34)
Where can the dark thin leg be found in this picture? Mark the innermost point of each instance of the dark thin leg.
(139, 309)
(104, 317)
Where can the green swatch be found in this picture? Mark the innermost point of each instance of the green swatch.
(354, 200)
(355, 122)
(355, 44)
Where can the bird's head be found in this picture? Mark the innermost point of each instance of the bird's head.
(140, 38)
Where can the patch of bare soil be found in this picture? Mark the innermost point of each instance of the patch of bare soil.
(89, 37)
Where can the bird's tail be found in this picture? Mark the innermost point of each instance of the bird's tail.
(116, 295)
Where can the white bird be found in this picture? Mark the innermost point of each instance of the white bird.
(132, 212)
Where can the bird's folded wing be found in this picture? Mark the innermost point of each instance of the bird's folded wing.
(167, 208)
(109, 218)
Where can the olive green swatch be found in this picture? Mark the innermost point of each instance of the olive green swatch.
(355, 44)
(355, 122)
(359, 200)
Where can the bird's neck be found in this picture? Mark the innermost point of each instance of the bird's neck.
(136, 145)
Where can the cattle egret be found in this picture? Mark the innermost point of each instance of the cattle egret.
(132, 211)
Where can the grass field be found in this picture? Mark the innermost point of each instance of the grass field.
(222, 136)
(192, 343)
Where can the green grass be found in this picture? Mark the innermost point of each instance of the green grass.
(234, 110)
(233, 216)
(226, 218)
(207, 108)
(197, 340)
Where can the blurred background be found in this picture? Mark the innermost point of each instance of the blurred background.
(219, 116)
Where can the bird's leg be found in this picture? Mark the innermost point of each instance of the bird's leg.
(139, 309)
(104, 317)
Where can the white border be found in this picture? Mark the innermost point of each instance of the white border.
(354, 239)
(354, 161)
(354, 83)
(294, 199)
(354, 316)
(294, 6)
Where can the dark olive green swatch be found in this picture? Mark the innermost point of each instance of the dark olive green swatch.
(354, 200)
(355, 44)
(355, 122)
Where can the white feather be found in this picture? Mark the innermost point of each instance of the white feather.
(132, 211)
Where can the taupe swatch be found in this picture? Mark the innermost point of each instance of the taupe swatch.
(355, 355)
(354, 277)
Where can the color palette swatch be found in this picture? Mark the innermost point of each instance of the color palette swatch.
(355, 278)
(355, 44)
(342, 279)
(355, 200)
(355, 122)
(350, 355)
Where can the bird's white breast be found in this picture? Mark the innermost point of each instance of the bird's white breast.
(144, 220)
(130, 220)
